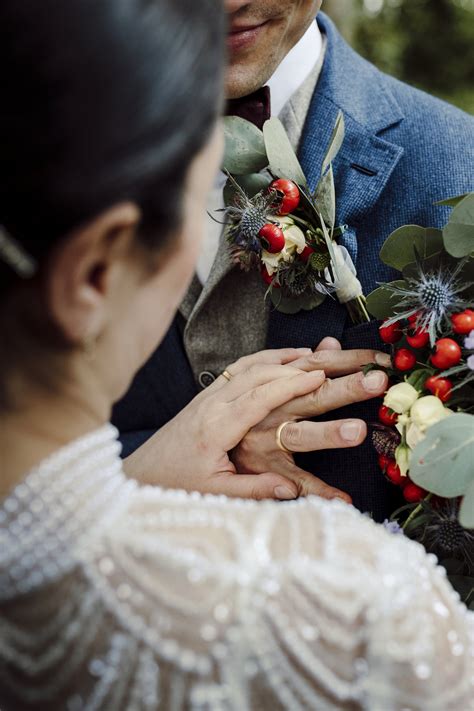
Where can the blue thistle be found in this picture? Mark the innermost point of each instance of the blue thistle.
(433, 296)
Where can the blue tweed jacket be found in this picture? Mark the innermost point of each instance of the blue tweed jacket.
(403, 151)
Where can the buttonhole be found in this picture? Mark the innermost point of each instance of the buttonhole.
(364, 171)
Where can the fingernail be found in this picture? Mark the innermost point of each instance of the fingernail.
(304, 351)
(375, 380)
(284, 493)
(350, 431)
(383, 359)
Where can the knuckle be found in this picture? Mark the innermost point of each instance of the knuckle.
(292, 435)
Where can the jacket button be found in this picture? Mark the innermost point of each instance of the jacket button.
(206, 378)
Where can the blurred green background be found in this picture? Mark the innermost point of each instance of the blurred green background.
(427, 43)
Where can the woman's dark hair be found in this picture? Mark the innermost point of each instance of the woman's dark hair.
(102, 101)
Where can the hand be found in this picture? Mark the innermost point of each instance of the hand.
(191, 451)
(258, 451)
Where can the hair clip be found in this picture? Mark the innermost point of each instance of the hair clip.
(13, 254)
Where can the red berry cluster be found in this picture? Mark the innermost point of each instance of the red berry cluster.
(271, 235)
(411, 492)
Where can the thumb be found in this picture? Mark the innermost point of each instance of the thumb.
(254, 486)
(329, 344)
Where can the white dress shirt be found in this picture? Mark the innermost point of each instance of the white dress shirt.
(287, 79)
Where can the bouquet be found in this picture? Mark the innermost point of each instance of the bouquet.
(425, 437)
(277, 225)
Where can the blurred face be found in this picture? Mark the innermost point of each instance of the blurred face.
(261, 33)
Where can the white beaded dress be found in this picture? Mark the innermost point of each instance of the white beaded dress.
(115, 596)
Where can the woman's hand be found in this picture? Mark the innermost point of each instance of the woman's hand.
(242, 416)
(191, 451)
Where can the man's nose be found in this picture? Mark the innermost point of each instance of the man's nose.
(232, 6)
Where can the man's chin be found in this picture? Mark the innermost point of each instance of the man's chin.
(242, 81)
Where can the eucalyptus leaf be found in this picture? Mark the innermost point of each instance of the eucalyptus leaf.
(250, 184)
(382, 302)
(453, 201)
(335, 143)
(466, 512)
(244, 147)
(281, 156)
(292, 305)
(398, 250)
(442, 462)
(325, 197)
(458, 234)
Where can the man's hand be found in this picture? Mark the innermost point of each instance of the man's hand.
(259, 451)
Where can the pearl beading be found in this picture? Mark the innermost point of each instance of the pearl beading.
(114, 596)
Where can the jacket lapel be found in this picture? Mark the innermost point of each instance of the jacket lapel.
(361, 170)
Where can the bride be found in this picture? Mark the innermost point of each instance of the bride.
(119, 595)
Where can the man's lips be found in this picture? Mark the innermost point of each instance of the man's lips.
(244, 36)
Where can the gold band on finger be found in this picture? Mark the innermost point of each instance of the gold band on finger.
(280, 444)
(226, 375)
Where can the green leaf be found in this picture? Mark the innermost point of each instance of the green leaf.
(244, 147)
(458, 234)
(466, 512)
(335, 143)
(453, 201)
(281, 156)
(382, 303)
(292, 305)
(443, 462)
(250, 184)
(325, 198)
(464, 585)
(399, 249)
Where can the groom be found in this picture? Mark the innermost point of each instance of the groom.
(403, 151)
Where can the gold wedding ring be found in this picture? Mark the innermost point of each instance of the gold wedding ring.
(226, 375)
(280, 444)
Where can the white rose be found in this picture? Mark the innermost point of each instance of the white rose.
(428, 411)
(401, 397)
(294, 242)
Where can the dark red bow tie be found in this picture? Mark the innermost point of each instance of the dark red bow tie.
(254, 107)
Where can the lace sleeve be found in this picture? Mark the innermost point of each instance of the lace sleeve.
(305, 605)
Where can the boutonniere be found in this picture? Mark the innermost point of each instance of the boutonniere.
(276, 224)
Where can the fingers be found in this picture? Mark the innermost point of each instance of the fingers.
(333, 394)
(259, 375)
(310, 436)
(336, 362)
(254, 486)
(255, 404)
(310, 485)
(280, 356)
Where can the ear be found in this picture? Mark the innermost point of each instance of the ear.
(78, 274)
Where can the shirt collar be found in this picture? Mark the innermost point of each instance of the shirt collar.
(295, 68)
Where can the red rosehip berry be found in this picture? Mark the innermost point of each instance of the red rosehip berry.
(404, 359)
(394, 474)
(413, 493)
(390, 334)
(448, 353)
(306, 253)
(387, 416)
(412, 319)
(272, 237)
(418, 339)
(441, 387)
(269, 279)
(291, 195)
(463, 322)
(384, 462)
